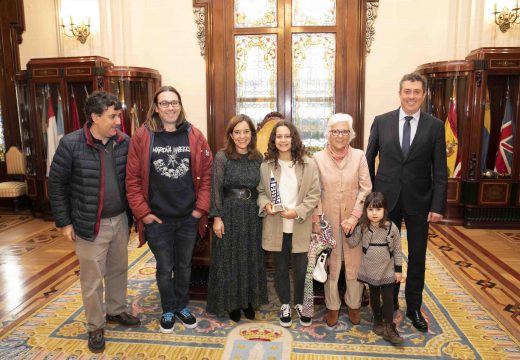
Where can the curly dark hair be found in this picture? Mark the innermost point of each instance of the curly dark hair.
(230, 148)
(373, 200)
(298, 151)
(98, 102)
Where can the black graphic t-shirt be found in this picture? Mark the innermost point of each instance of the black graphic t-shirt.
(171, 185)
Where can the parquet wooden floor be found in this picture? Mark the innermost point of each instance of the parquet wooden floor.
(35, 264)
(487, 264)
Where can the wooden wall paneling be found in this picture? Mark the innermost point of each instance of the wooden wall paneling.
(12, 25)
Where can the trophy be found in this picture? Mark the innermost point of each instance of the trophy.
(275, 195)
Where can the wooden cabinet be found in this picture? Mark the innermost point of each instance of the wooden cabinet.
(64, 81)
(485, 88)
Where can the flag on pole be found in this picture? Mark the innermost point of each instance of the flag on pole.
(52, 134)
(452, 141)
(121, 91)
(60, 128)
(504, 158)
(44, 118)
(123, 129)
(74, 112)
(135, 120)
(486, 128)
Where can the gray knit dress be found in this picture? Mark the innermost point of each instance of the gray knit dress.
(381, 253)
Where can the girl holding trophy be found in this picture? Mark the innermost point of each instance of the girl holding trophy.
(288, 193)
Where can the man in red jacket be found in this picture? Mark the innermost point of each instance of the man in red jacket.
(168, 188)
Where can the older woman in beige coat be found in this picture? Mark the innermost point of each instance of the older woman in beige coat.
(345, 182)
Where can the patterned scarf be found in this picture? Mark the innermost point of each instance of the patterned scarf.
(338, 157)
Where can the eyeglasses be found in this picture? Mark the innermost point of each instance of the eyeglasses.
(166, 104)
(338, 132)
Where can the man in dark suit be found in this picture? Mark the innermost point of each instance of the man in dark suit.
(412, 175)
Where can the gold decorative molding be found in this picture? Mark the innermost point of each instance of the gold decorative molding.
(372, 7)
(200, 20)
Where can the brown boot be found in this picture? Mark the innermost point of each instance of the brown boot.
(377, 328)
(390, 334)
(354, 316)
(332, 317)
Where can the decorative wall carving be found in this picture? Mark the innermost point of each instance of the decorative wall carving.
(372, 7)
(200, 19)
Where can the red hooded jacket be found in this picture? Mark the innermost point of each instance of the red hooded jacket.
(138, 173)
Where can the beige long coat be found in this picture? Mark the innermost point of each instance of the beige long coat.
(344, 188)
(308, 197)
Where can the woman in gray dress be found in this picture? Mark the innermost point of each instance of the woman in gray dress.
(237, 277)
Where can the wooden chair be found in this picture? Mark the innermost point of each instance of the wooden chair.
(15, 161)
(263, 132)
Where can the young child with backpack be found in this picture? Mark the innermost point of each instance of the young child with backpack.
(381, 264)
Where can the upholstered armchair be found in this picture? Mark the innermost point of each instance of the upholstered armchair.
(15, 161)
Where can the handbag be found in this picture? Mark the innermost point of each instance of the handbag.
(320, 272)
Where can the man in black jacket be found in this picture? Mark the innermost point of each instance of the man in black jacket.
(412, 175)
(87, 195)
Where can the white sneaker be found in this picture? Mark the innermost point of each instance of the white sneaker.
(304, 320)
(285, 315)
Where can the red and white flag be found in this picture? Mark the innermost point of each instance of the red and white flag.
(504, 158)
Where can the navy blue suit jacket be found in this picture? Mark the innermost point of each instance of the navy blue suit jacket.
(421, 178)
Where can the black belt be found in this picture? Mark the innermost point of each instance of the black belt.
(242, 193)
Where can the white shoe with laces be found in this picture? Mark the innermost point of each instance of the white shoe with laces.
(304, 320)
(285, 315)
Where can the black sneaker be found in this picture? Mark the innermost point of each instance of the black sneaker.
(187, 318)
(285, 315)
(124, 319)
(304, 320)
(96, 341)
(167, 322)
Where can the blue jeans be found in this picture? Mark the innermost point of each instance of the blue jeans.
(172, 244)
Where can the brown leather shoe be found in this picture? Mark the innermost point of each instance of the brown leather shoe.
(377, 328)
(332, 317)
(354, 316)
(124, 319)
(391, 335)
(96, 340)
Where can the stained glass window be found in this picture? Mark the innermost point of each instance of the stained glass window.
(255, 74)
(313, 12)
(313, 70)
(255, 13)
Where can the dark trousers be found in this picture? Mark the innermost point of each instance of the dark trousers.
(298, 262)
(417, 237)
(387, 310)
(172, 244)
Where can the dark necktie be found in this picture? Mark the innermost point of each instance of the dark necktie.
(405, 145)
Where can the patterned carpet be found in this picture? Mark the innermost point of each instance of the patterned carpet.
(460, 328)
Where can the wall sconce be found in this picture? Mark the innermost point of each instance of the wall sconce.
(505, 19)
(80, 31)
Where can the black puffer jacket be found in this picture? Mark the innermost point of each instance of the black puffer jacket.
(76, 180)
